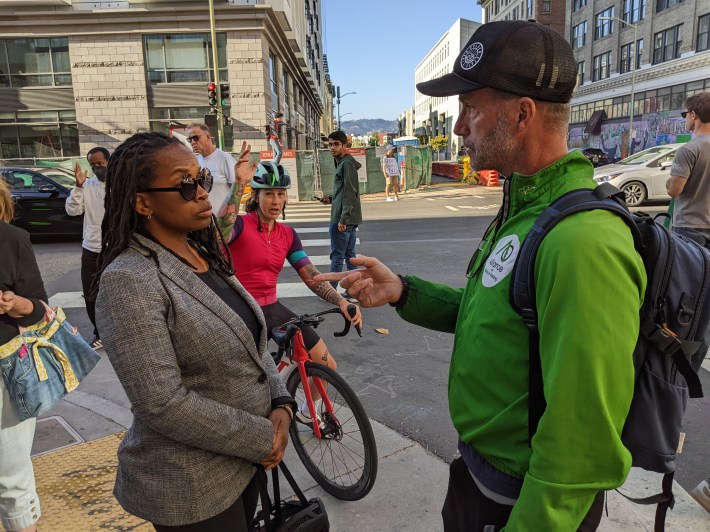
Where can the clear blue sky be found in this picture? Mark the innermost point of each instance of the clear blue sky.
(373, 51)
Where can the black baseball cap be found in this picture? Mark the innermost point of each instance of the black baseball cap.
(514, 56)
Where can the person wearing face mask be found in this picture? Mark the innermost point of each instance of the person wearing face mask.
(87, 198)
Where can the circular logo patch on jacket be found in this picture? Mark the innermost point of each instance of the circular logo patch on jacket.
(500, 263)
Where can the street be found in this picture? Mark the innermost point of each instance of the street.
(400, 373)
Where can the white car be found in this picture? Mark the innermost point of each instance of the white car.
(642, 176)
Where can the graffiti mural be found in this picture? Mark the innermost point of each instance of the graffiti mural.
(651, 130)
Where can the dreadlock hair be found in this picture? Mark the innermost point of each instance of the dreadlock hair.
(131, 168)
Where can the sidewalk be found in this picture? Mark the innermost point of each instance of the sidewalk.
(75, 463)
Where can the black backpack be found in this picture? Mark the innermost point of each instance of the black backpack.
(673, 336)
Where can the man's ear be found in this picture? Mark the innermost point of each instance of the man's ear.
(526, 112)
(143, 204)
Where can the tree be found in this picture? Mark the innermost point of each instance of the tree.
(439, 143)
(374, 139)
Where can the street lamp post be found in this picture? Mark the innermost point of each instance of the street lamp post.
(341, 116)
(215, 68)
(338, 96)
(632, 54)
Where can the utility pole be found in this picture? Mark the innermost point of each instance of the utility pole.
(215, 70)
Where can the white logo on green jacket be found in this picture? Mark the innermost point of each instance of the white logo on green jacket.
(500, 263)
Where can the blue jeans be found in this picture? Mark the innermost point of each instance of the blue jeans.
(278, 152)
(342, 248)
(697, 234)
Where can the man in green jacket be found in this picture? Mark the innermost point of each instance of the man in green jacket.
(345, 213)
(514, 114)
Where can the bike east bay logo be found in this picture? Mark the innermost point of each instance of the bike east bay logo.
(500, 263)
(472, 56)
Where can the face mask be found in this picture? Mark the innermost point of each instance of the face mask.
(100, 172)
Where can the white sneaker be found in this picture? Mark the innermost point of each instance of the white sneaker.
(701, 493)
(396, 198)
(389, 199)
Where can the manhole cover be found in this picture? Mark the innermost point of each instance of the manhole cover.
(53, 433)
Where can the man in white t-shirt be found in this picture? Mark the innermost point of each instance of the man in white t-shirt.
(219, 163)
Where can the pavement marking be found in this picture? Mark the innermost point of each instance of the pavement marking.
(316, 260)
(299, 289)
(479, 197)
(103, 407)
(451, 208)
(67, 300)
(321, 242)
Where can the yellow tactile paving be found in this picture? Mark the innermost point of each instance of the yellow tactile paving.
(75, 487)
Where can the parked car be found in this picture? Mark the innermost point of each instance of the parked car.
(642, 176)
(39, 200)
(596, 156)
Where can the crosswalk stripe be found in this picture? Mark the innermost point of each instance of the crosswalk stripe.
(451, 208)
(67, 300)
(321, 242)
(316, 260)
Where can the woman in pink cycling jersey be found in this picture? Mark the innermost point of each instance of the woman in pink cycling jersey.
(259, 245)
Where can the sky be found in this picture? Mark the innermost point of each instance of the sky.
(373, 52)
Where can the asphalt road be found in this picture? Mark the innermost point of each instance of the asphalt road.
(401, 376)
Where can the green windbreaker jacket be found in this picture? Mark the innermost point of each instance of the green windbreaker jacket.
(590, 283)
(345, 208)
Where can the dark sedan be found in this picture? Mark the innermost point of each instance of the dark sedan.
(39, 201)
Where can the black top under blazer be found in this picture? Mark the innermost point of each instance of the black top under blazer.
(200, 389)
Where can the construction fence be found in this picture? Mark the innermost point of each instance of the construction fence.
(312, 173)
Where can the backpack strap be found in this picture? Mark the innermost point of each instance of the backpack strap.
(522, 286)
(665, 501)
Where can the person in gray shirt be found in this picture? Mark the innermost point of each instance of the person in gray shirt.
(689, 183)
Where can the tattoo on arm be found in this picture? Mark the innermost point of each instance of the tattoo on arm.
(230, 211)
(323, 290)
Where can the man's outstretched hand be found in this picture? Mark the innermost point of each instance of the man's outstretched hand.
(373, 286)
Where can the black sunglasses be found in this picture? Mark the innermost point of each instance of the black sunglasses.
(193, 138)
(684, 114)
(188, 186)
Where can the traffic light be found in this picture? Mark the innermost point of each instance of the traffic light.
(224, 91)
(212, 94)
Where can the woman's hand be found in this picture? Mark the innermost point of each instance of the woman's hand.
(243, 170)
(281, 421)
(355, 320)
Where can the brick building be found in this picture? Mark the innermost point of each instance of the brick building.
(76, 74)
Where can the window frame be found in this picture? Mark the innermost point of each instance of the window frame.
(603, 27)
(659, 54)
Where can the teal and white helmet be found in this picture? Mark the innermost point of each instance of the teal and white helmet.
(270, 175)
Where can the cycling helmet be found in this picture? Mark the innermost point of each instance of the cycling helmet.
(270, 175)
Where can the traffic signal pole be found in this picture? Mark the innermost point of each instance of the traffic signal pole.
(215, 68)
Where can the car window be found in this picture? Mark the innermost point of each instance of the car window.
(27, 181)
(646, 155)
(63, 179)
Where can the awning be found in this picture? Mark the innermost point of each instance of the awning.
(594, 125)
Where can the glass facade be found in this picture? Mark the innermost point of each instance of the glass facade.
(163, 118)
(184, 58)
(35, 62)
(38, 134)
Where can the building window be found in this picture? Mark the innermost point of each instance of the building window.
(580, 73)
(164, 119)
(273, 83)
(601, 66)
(625, 56)
(38, 135)
(579, 35)
(529, 8)
(184, 58)
(666, 44)
(579, 4)
(546, 6)
(603, 23)
(634, 10)
(35, 62)
(665, 4)
(703, 33)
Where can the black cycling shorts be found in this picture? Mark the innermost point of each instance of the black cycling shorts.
(277, 314)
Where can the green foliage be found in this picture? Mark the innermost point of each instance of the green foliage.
(439, 142)
(374, 139)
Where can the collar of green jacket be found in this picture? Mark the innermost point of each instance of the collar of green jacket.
(570, 172)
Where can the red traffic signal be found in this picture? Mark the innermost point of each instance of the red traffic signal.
(212, 94)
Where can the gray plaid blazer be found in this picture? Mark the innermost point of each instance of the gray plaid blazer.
(200, 389)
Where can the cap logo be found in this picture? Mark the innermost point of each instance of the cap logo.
(471, 56)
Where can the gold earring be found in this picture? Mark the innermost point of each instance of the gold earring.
(149, 217)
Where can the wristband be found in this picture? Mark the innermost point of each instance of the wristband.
(288, 409)
(405, 293)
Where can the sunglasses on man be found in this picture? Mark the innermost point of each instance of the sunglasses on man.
(193, 138)
(684, 114)
(188, 186)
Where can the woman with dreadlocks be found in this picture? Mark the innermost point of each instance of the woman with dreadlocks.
(260, 245)
(188, 344)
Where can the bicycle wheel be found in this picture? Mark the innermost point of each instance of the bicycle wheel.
(344, 462)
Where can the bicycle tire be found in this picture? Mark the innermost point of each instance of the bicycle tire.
(351, 467)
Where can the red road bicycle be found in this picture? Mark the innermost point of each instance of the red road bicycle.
(338, 449)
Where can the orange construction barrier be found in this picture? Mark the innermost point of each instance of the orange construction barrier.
(488, 178)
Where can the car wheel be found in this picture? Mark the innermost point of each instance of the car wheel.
(635, 193)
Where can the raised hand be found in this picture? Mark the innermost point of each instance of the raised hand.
(243, 170)
(80, 175)
(373, 286)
